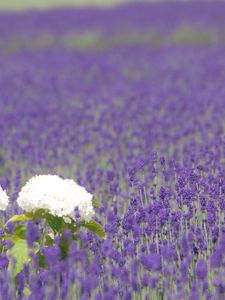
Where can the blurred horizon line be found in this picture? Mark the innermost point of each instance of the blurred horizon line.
(17, 5)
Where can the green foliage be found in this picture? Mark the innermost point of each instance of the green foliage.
(20, 231)
(54, 226)
(24, 217)
(96, 203)
(49, 240)
(96, 228)
(64, 247)
(17, 5)
(39, 213)
(19, 252)
(192, 35)
(56, 223)
(41, 260)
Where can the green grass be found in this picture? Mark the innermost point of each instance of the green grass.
(188, 35)
(19, 5)
(93, 40)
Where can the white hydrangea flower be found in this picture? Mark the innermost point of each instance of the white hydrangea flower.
(59, 196)
(4, 199)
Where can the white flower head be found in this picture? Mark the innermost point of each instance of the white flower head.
(59, 196)
(4, 199)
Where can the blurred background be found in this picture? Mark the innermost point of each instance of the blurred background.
(27, 4)
(100, 56)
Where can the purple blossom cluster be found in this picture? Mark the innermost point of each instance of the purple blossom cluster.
(141, 126)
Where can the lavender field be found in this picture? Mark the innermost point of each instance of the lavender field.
(129, 102)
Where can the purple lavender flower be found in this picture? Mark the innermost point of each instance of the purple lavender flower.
(3, 261)
(201, 269)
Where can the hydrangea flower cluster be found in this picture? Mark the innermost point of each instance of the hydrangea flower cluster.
(58, 196)
(4, 199)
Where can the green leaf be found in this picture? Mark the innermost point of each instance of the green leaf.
(20, 231)
(48, 240)
(41, 260)
(56, 223)
(96, 228)
(20, 252)
(73, 227)
(64, 246)
(27, 291)
(23, 217)
(39, 213)
(96, 203)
